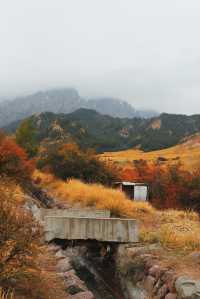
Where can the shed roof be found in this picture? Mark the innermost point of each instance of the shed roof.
(124, 183)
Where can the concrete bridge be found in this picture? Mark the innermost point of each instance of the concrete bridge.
(87, 224)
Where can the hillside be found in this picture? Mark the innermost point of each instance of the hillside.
(187, 152)
(105, 133)
(64, 100)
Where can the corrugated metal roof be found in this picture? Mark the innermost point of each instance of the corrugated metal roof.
(124, 183)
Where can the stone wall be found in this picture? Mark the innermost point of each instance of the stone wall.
(143, 277)
(75, 287)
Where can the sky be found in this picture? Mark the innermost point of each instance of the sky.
(145, 52)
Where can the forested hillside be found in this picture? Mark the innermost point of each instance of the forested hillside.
(90, 129)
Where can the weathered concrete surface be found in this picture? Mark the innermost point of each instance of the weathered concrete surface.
(187, 288)
(83, 228)
(89, 213)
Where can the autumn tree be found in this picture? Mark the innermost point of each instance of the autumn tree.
(171, 186)
(26, 137)
(13, 160)
(69, 161)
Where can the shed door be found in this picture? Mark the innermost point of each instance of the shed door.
(140, 193)
(129, 190)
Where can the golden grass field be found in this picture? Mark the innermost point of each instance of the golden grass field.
(188, 153)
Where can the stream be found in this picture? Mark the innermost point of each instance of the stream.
(97, 271)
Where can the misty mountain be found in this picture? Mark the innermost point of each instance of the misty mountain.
(91, 129)
(64, 101)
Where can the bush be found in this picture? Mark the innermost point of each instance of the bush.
(170, 186)
(27, 268)
(68, 161)
(13, 160)
(19, 241)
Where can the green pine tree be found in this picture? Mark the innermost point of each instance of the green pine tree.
(26, 137)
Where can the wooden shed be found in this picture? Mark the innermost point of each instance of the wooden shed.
(135, 191)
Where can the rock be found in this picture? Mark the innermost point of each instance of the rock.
(133, 291)
(82, 295)
(168, 278)
(60, 254)
(155, 271)
(187, 288)
(138, 276)
(167, 275)
(64, 265)
(54, 248)
(150, 263)
(32, 207)
(195, 256)
(171, 296)
(157, 286)
(148, 257)
(149, 283)
(162, 292)
(73, 282)
(74, 289)
(134, 251)
(69, 273)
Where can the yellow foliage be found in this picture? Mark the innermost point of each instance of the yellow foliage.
(12, 190)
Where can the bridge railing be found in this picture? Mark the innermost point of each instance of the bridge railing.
(72, 212)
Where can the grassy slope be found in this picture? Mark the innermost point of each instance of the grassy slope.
(187, 153)
(177, 230)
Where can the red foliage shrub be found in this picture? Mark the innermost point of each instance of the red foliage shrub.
(170, 186)
(13, 160)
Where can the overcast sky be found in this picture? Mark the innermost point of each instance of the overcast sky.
(144, 51)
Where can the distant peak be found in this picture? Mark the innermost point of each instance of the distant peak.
(85, 111)
(64, 90)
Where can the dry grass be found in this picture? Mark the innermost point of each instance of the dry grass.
(6, 295)
(174, 229)
(27, 267)
(12, 190)
(171, 228)
(75, 192)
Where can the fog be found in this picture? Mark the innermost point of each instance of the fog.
(145, 52)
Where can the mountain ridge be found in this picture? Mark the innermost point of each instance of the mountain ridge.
(65, 100)
(106, 133)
